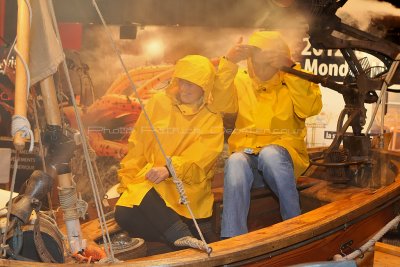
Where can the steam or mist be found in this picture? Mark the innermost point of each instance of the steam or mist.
(361, 12)
(173, 42)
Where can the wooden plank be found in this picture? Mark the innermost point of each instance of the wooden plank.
(382, 259)
(388, 249)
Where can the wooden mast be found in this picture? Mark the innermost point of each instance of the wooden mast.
(21, 80)
(50, 103)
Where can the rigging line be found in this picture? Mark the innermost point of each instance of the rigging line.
(387, 81)
(96, 169)
(100, 213)
(170, 167)
(3, 244)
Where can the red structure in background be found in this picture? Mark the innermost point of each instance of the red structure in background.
(2, 18)
(71, 35)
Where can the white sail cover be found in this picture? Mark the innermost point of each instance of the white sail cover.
(46, 51)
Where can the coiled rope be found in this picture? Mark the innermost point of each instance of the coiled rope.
(176, 180)
(192, 242)
(21, 124)
(72, 206)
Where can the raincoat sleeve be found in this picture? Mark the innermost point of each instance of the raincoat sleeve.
(306, 96)
(135, 160)
(193, 166)
(224, 91)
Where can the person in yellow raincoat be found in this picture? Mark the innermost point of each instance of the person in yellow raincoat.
(267, 144)
(191, 134)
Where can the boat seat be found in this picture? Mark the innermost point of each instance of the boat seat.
(324, 192)
(264, 206)
(264, 211)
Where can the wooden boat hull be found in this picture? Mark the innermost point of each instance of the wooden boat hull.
(316, 235)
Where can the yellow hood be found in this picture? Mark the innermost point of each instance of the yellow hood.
(196, 69)
(269, 40)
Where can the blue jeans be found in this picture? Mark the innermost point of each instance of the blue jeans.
(272, 166)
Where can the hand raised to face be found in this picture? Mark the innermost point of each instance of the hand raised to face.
(266, 63)
(239, 51)
(273, 58)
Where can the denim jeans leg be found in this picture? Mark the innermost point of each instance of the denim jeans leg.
(277, 167)
(238, 179)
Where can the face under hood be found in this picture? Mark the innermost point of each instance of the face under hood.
(196, 69)
(266, 41)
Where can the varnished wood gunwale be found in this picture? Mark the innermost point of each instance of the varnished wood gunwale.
(323, 247)
(284, 234)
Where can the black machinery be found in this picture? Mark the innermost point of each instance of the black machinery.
(354, 160)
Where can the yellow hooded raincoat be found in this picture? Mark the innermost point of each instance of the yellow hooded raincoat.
(271, 112)
(191, 136)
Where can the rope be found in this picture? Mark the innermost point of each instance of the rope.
(189, 241)
(175, 179)
(93, 157)
(72, 207)
(21, 124)
(100, 213)
(3, 244)
(178, 183)
(392, 224)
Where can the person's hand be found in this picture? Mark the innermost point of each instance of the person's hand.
(239, 52)
(279, 59)
(157, 174)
